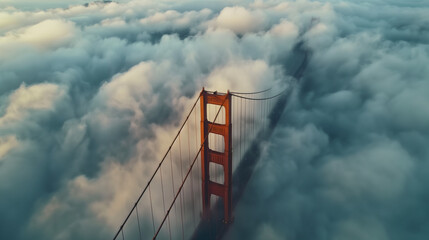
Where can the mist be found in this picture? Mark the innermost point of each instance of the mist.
(89, 96)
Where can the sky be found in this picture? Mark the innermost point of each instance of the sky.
(87, 90)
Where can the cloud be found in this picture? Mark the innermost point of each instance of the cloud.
(48, 33)
(351, 229)
(6, 144)
(374, 172)
(91, 95)
(125, 91)
(343, 130)
(39, 97)
(172, 20)
(244, 75)
(285, 29)
(240, 20)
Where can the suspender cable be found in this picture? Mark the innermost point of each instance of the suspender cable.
(156, 170)
(252, 120)
(163, 201)
(198, 165)
(186, 176)
(192, 179)
(241, 125)
(172, 183)
(138, 222)
(151, 209)
(181, 196)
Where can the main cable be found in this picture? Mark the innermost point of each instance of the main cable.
(246, 93)
(187, 174)
(260, 99)
(156, 170)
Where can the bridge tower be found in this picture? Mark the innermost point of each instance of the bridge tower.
(222, 158)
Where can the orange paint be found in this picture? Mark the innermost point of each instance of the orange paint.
(207, 155)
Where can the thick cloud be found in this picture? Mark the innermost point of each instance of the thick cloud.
(48, 33)
(239, 20)
(90, 96)
(349, 160)
(24, 99)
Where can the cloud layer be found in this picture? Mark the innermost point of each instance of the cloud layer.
(349, 161)
(87, 91)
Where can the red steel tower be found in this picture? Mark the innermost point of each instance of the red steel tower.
(222, 158)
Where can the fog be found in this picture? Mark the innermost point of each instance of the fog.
(87, 90)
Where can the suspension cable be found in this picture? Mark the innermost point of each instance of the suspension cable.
(246, 93)
(260, 99)
(187, 174)
(235, 94)
(156, 170)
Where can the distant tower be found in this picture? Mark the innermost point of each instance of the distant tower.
(222, 158)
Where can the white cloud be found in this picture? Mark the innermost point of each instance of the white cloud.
(7, 143)
(240, 20)
(50, 33)
(377, 172)
(241, 76)
(285, 29)
(113, 22)
(355, 130)
(171, 19)
(38, 97)
(128, 90)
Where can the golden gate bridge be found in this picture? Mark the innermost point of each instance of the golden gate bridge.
(192, 193)
(194, 189)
